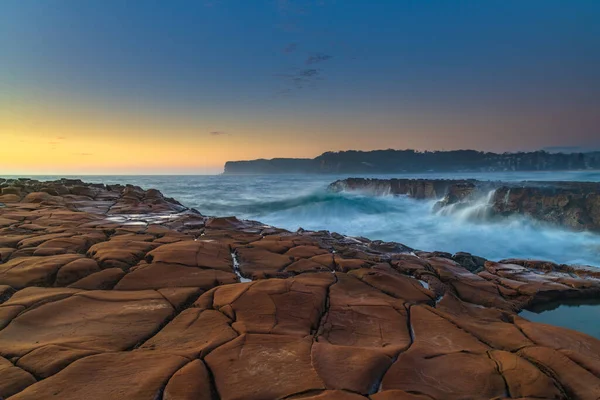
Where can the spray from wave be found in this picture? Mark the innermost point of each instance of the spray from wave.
(297, 201)
(459, 227)
(477, 210)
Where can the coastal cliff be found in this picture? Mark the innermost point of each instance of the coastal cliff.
(116, 292)
(575, 205)
(406, 161)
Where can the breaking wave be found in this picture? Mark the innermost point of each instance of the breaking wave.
(320, 201)
(294, 201)
(478, 210)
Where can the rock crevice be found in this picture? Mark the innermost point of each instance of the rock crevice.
(152, 304)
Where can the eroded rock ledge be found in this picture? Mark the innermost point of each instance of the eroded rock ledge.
(113, 292)
(575, 205)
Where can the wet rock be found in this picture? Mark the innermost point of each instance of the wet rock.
(10, 198)
(490, 326)
(51, 359)
(124, 375)
(180, 297)
(581, 348)
(263, 367)
(154, 308)
(362, 316)
(36, 296)
(301, 252)
(398, 395)
(13, 379)
(11, 190)
(434, 335)
(4, 222)
(5, 293)
(161, 275)
(192, 382)
(522, 378)
(257, 263)
(577, 382)
(350, 368)
(448, 376)
(100, 321)
(121, 253)
(277, 306)
(304, 265)
(386, 279)
(201, 254)
(331, 395)
(33, 271)
(193, 333)
(75, 270)
(102, 280)
(468, 286)
(470, 262)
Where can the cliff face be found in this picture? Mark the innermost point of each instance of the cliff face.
(399, 161)
(274, 166)
(415, 188)
(575, 205)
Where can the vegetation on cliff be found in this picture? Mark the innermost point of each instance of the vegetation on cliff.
(399, 161)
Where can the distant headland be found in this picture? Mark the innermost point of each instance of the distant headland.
(407, 161)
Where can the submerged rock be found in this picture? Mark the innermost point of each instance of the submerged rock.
(102, 297)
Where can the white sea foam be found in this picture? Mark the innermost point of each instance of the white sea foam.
(293, 201)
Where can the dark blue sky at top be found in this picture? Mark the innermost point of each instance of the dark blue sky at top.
(289, 59)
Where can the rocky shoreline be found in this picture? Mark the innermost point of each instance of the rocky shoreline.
(115, 292)
(574, 205)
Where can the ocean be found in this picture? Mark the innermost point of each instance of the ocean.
(302, 201)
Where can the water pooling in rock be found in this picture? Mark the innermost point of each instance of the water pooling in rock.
(87, 282)
(577, 315)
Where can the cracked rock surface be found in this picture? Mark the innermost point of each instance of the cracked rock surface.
(115, 292)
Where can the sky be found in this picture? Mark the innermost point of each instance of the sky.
(181, 86)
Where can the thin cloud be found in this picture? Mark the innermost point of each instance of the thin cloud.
(61, 138)
(290, 48)
(317, 58)
(301, 78)
(289, 7)
(218, 133)
(299, 7)
(308, 73)
(83, 154)
(284, 92)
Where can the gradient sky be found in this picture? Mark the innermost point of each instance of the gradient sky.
(176, 86)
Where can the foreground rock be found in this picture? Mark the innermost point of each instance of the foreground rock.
(575, 205)
(103, 298)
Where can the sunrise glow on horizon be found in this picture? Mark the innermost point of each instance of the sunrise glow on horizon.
(181, 89)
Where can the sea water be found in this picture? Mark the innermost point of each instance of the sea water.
(303, 201)
(295, 201)
(580, 315)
